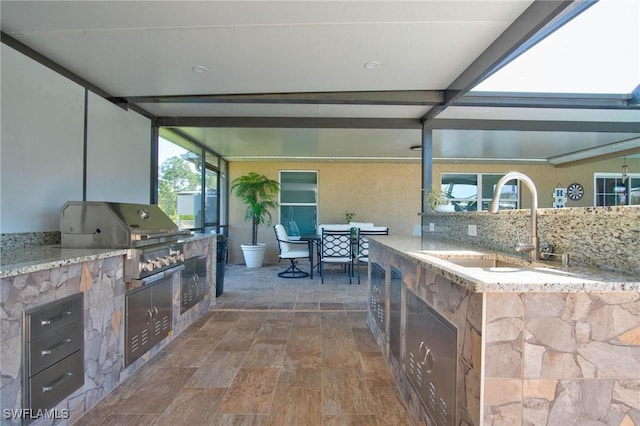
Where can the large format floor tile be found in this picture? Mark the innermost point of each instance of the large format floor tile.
(271, 352)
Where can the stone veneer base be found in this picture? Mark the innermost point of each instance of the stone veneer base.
(104, 290)
(528, 358)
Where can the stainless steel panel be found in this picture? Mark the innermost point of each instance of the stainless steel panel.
(162, 303)
(55, 383)
(431, 359)
(395, 308)
(54, 346)
(93, 224)
(147, 317)
(53, 316)
(377, 296)
(138, 321)
(193, 285)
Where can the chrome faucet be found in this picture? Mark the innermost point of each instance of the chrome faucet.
(532, 248)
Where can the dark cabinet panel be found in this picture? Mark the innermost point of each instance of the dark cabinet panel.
(431, 348)
(193, 286)
(147, 318)
(53, 355)
(395, 305)
(377, 296)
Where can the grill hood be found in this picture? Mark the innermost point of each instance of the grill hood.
(94, 224)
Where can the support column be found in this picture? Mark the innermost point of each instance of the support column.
(427, 163)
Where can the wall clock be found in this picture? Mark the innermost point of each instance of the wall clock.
(575, 191)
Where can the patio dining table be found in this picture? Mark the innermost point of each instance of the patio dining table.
(313, 240)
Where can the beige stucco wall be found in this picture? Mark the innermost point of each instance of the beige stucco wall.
(389, 193)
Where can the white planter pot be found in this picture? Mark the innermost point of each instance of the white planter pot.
(446, 208)
(253, 255)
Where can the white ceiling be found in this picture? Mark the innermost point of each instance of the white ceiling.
(144, 51)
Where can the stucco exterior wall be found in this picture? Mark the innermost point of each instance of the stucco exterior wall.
(389, 194)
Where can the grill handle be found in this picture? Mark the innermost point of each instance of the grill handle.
(149, 236)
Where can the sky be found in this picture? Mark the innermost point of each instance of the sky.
(596, 52)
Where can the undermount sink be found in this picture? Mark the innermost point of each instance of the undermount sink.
(484, 263)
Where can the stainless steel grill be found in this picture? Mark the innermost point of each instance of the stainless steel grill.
(145, 229)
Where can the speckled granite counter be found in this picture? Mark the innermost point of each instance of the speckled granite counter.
(537, 277)
(33, 259)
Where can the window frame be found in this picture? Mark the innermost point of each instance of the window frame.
(617, 176)
(480, 180)
(281, 204)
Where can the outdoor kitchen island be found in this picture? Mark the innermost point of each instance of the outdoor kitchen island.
(534, 345)
(36, 276)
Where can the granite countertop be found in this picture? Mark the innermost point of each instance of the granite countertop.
(40, 258)
(522, 277)
(32, 259)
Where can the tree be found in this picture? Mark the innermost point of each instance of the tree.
(176, 175)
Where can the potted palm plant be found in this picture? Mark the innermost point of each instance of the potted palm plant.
(258, 193)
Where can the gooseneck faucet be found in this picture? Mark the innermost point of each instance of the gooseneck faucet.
(532, 248)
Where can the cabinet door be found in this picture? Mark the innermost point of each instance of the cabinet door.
(138, 323)
(200, 278)
(395, 308)
(193, 285)
(161, 309)
(187, 287)
(377, 296)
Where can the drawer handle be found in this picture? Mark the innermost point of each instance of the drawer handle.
(56, 347)
(428, 361)
(58, 318)
(56, 382)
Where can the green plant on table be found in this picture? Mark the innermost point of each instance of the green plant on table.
(434, 197)
(348, 216)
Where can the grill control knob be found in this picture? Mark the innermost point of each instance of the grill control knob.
(181, 257)
(147, 266)
(167, 260)
(158, 263)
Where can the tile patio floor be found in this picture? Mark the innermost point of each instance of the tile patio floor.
(271, 352)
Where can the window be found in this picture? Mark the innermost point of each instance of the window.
(610, 190)
(182, 174)
(463, 189)
(299, 201)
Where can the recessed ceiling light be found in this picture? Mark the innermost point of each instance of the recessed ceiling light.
(199, 69)
(371, 65)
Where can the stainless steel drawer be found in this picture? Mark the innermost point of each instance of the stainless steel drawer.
(52, 385)
(55, 346)
(55, 316)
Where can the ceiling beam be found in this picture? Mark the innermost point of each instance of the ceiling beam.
(392, 97)
(604, 152)
(534, 125)
(618, 154)
(290, 122)
(547, 100)
(539, 20)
